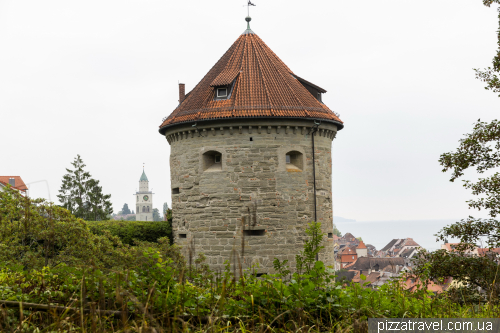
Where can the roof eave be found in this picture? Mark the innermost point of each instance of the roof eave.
(163, 129)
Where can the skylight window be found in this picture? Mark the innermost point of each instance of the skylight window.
(221, 92)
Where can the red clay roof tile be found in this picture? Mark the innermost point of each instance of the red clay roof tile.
(263, 87)
(19, 184)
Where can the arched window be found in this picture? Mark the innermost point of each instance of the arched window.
(148, 209)
(212, 161)
(294, 161)
(143, 209)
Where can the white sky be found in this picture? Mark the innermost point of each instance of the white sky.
(96, 78)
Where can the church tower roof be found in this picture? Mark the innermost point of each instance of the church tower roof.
(143, 177)
(259, 85)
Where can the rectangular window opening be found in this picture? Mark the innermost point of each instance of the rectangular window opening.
(217, 159)
(287, 159)
(182, 235)
(175, 190)
(221, 92)
(260, 274)
(330, 235)
(258, 232)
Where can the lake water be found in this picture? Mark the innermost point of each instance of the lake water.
(379, 233)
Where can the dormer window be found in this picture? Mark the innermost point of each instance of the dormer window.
(222, 92)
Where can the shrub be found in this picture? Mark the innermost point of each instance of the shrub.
(127, 231)
(35, 233)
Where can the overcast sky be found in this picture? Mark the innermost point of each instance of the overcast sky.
(96, 78)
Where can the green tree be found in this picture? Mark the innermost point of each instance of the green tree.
(82, 195)
(35, 233)
(125, 209)
(490, 75)
(480, 150)
(156, 215)
(165, 209)
(336, 231)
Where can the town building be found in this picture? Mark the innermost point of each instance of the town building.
(144, 200)
(15, 182)
(376, 271)
(361, 250)
(245, 178)
(347, 257)
(396, 246)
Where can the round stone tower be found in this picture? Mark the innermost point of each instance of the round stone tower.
(245, 177)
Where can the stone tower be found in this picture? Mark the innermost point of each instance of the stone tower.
(242, 163)
(144, 200)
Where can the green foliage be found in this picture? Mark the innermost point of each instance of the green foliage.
(125, 210)
(156, 215)
(82, 195)
(491, 74)
(336, 231)
(128, 231)
(34, 234)
(480, 149)
(154, 289)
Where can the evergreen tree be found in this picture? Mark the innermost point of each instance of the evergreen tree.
(165, 209)
(125, 209)
(82, 195)
(156, 215)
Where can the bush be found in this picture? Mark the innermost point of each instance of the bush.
(127, 231)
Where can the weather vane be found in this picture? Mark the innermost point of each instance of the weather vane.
(248, 6)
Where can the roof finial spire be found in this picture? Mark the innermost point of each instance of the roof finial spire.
(248, 18)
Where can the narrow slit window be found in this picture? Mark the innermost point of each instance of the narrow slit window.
(217, 159)
(257, 232)
(287, 159)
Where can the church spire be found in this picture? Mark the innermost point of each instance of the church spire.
(143, 176)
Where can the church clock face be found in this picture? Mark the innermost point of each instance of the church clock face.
(145, 198)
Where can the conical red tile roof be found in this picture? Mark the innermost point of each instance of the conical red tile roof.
(263, 86)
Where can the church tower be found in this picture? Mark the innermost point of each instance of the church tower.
(144, 200)
(251, 160)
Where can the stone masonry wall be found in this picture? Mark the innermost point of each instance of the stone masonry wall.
(253, 183)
